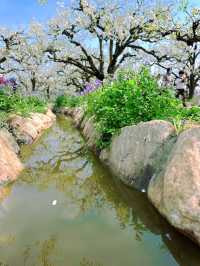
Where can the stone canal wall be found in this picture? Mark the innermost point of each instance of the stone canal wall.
(152, 157)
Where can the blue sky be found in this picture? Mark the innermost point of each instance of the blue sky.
(16, 13)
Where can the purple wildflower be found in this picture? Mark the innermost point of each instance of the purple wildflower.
(91, 86)
(98, 83)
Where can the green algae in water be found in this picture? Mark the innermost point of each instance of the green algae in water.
(67, 210)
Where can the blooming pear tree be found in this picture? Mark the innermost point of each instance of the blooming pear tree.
(97, 40)
(87, 42)
(27, 60)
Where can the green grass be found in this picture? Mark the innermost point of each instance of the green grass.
(16, 104)
(3, 118)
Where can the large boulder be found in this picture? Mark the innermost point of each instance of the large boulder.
(28, 129)
(136, 153)
(175, 191)
(8, 137)
(23, 129)
(78, 116)
(69, 111)
(10, 165)
(86, 124)
(51, 115)
(90, 133)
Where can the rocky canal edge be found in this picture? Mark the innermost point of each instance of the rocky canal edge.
(149, 156)
(152, 157)
(20, 130)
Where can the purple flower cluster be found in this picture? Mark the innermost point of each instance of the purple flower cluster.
(91, 86)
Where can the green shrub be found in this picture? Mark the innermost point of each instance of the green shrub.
(67, 101)
(128, 101)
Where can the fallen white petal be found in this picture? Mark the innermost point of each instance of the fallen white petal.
(54, 202)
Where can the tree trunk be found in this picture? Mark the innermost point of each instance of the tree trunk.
(33, 84)
(100, 76)
(48, 93)
(191, 85)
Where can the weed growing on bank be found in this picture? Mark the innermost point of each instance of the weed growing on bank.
(16, 104)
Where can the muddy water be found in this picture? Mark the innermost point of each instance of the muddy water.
(67, 210)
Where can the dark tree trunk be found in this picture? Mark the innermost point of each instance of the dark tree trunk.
(48, 93)
(191, 85)
(100, 76)
(33, 84)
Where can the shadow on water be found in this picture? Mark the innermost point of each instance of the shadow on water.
(66, 209)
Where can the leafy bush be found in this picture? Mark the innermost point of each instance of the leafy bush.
(67, 101)
(128, 101)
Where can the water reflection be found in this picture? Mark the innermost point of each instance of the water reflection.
(97, 221)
